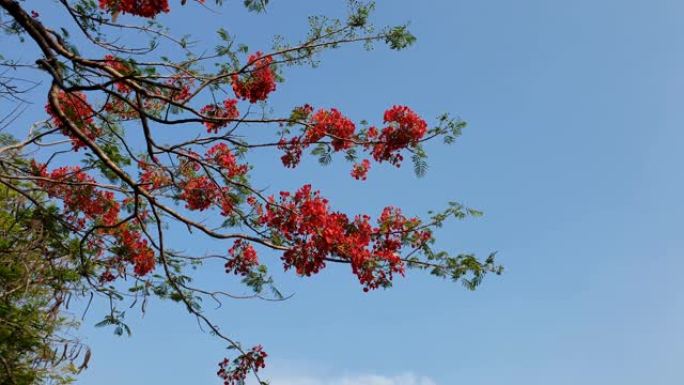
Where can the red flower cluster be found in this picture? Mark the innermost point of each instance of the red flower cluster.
(333, 124)
(188, 166)
(299, 219)
(243, 258)
(316, 234)
(153, 177)
(323, 123)
(258, 82)
(181, 84)
(360, 170)
(84, 202)
(121, 67)
(80, 195)
(224, 114)
(293, 149)
(123, 110)
(405, 129)
(75, 107)
(221, 156)
(200, 193)
(134, 249)
(144, 8)
(235, 373)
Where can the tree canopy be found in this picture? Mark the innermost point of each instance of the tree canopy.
(90, 192)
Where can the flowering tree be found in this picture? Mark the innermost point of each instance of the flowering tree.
(97, 167)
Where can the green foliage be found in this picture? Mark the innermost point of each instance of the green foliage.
(359, 13)
(399, 37)
(324, 153)
(258, 278)
(419, 159)
(115, 319)
(36, 275)
(256, 5)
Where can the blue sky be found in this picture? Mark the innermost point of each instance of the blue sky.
(573, 151)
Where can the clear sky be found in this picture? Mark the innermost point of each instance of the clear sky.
(574, 153)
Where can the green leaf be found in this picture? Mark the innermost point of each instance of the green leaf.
(256, 5)
(399, 37)
(420, 165)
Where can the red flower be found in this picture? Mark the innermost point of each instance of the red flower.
(85, 203)
(75, 107)
(360, 170)
(224, 114)
(405, 129)
(80, 195)
(181, 84)
(293, 151)
(333, 124)
(188, 166)
(135, 250)
(221, 156)
(323, 123)
(200, 193)
(144, 8)
(121, 67)
(153, 177)
(243, 258)
(235, 372)
(315, 234)
(258, 82)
